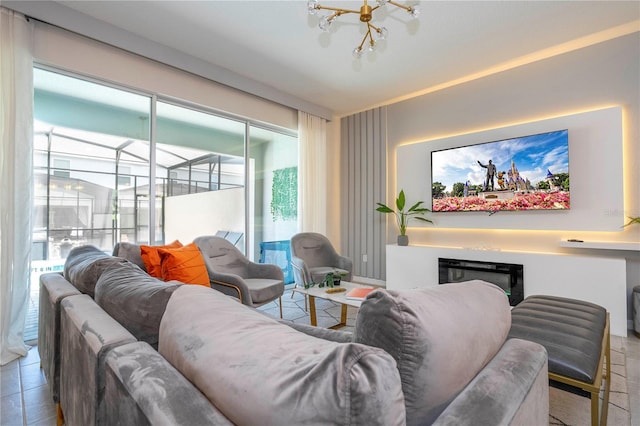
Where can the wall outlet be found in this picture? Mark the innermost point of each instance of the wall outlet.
(364, 258)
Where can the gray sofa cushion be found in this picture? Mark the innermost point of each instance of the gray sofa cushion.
(440, 337)
(84, 265)
(134, 299)
(257, 371)
(131, 252)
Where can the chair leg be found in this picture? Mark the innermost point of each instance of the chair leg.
(607, 384)
(595, 402)
(306, 308)
(280, 303)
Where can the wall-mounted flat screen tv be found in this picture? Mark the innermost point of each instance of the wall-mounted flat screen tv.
(523, 173)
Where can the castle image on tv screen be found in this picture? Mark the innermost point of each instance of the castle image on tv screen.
(523, 173)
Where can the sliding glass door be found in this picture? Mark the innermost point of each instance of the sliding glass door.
(91, 171)
(112, 164)
(200, 174)
(273, 196)
(91, 160)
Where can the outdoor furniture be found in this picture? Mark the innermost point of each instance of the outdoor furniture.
(230, 272)
(233, 237)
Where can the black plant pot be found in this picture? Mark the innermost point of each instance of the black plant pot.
(336, 280)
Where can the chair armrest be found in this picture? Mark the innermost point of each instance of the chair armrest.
(512, 389)
(301, 273)
(265, 270)
(230, 284)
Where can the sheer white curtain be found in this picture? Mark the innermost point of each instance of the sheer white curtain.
(16, 177)
(312, 175)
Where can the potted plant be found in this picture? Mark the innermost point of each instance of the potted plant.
(403, 216)
(336, 277)
(330, 280)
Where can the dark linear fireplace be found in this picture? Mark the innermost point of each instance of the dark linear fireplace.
(507, 276)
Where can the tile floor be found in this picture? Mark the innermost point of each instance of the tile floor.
(26, 398)
(631, 345)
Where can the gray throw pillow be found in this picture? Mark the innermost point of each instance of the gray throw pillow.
(131, 252)
(441, 337)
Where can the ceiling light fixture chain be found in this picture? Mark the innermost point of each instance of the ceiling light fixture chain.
(366, 15)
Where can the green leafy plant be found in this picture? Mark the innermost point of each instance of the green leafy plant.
(416, 211)
(284, 194)
(632, 221)
(329, 280)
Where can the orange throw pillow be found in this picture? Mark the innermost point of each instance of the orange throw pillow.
(151, 257)
(184, 264)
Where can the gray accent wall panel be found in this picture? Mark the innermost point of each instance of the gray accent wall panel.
(364, 177)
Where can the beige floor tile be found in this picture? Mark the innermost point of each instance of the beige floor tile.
(11, 410)
(10, 366)
(33, 357)
(32, 376)
(9, 381)
(38, 404)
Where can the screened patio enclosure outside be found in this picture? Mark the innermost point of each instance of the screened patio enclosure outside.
(93, 188)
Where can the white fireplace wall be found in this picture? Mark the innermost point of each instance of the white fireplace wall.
(596, 77)
(600, 280)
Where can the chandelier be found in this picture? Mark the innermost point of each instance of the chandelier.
(373, 33)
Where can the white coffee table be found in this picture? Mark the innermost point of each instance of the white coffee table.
(315, 291)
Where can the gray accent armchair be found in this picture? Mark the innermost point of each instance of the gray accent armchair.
(313, 257)
(231, 273)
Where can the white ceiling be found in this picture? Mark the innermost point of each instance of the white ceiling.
(278, 43)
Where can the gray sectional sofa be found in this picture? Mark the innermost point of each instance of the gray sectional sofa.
(119, 347)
